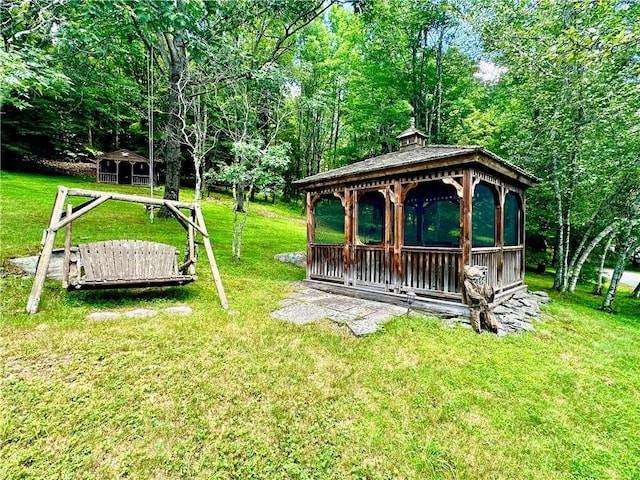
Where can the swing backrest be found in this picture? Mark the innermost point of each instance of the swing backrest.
(127, 260)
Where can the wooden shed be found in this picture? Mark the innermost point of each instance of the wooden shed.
(123, 167)
(402, 226)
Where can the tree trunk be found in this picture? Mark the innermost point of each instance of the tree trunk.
(176, 68)
(438, 97)
(585, 254)
(559, 280)
(578, 252)
(598, 288)
(239, 210)
(623, 256)
(636, 291)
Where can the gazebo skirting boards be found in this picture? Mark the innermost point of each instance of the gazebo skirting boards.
(402, 226)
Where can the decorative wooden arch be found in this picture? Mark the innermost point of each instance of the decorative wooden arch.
(61, 218)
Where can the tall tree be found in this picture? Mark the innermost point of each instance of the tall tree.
(216, 34)
(572, 92)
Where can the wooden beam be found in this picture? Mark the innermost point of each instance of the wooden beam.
(212, 260)
(78, 192)
(191, 239)
(348, 235)
(396, 264)
(88, 207)
(388, 235)
(455, 184)
(466, 220)
(67, 250)
(311, 230)
(499, 233)
(45, 252)
(183, 219)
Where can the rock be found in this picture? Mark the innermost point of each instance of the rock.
(100, 316)
(541, 297)
(299, 259)
(362, 327)
(179, 310)
(140, 313)
(301, 314)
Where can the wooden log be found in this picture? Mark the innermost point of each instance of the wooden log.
(79, 192)
(183, 219)
(66, 260)
(45, 253)
(212, 261)
(87, 208)
(191, 241)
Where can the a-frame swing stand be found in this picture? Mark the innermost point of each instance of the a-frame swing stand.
(123, 263)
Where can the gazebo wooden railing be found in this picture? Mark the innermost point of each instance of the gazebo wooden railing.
(431, 270)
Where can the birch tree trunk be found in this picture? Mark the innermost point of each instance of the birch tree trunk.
(598, 288)
(585, 254)
(636, 291)
(623, 256)
(558, 281)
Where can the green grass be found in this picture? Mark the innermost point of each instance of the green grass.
(242, 396)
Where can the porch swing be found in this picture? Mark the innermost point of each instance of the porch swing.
(121, 263)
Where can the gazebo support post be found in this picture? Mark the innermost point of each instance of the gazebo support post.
(502, 193)
(465, 214)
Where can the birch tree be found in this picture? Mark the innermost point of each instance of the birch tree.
(256, 160)
(572, 95)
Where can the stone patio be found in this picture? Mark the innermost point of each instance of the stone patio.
(362, 317)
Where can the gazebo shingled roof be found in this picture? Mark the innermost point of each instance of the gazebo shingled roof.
(418, 159)
(123, 154)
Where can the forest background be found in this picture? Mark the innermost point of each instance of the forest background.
(255, 94)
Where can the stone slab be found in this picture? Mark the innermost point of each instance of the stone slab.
(362, 327)
(140, 313)
(301, 313)
(179, 310)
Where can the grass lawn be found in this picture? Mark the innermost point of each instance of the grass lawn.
(214, 395)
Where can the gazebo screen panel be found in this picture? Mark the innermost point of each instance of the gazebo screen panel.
(326, 250)
(484, 216)
(512, 236)
(329, 215)
(371, 221)
(432, 216)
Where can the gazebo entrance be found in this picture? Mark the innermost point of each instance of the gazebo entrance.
(410, 221)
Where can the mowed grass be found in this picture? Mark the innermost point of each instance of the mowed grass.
(213, 395)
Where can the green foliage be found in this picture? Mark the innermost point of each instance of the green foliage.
(255, 167)
(567, 109)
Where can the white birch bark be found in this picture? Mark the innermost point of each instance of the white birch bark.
(585, 254)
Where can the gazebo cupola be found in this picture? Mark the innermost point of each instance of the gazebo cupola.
(411, 138)
(409, 222)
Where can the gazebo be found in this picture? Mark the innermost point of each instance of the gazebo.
(401, 227)
(123, 167)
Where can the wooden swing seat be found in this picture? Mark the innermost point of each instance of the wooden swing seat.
(125, 264)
